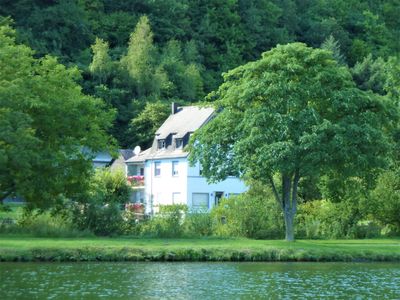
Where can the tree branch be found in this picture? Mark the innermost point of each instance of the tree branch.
(275, 191)
(294, 190)
(286, 189)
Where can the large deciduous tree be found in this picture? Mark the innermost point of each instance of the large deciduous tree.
(45, 124)
(294, 113)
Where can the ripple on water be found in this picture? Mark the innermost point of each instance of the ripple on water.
(200, 280)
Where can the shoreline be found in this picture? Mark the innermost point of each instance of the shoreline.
(33, 249)
(187, 255)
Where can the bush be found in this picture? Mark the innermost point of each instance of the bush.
(167, 223)
(384, 204)
(44, 224)
(198, 224)
(254, 214)
(325, 219)
(100, 219)
(99, 211)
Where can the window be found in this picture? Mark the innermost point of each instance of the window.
(200, 201)
(176, 198)
(134, 170)
(161, 144)
(157, 169)
(200, 170)
(179, 143)
(175, 165)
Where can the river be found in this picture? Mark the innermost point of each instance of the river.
(199, 280)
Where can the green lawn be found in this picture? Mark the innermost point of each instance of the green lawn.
(18, 247)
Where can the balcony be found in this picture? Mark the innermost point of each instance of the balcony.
(136, 181)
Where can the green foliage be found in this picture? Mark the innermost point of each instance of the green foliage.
(214, 36)
(145, 125)
(254, 214)
(41, 224)
(344, 214)
(198, 224)
(46, 121)
(293, 113)
(370, 74)
(99, 210)
(385, 200)
(140, 60)
(167, 223)
(332, 45)
(101, 62)
(49, 225)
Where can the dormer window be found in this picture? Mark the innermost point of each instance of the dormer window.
(179, 143)
(161, 144)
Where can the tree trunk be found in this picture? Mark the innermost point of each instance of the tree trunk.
(287, 207)
(288, 201)
(289, 226)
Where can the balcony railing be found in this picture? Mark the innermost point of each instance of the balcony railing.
(136, 180)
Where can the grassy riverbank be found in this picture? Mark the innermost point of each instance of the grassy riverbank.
(27, 248)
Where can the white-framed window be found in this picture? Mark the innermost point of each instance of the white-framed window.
(200, 201)
(157, 168)
(179, 143)
(161, 144)
(175, 168)
(176, 198)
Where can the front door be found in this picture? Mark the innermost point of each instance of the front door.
(218, 196)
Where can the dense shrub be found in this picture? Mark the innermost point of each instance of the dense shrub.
(167, 223)
(326, 219)
(384, 203)
(198, 224)
(44, 224)
(254, 214)
(100, 210)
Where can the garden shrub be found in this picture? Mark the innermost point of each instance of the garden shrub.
(326, 219)
(47, 224)
(99, 210)
(198, 224)
(384, 203)
(167, 223)
(253, 214)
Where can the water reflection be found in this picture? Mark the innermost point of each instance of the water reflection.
(199, 280)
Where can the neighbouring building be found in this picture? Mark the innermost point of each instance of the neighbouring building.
(104, 159)
(161, 175)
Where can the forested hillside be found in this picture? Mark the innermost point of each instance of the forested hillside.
(140, 55)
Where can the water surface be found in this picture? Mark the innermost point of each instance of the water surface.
(199, 280)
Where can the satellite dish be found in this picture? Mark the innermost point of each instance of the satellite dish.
(137, 150)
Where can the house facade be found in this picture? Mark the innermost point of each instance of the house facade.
(162, 175)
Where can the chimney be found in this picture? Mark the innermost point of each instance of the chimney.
(174, 108)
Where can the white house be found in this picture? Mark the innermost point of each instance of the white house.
(168, 177)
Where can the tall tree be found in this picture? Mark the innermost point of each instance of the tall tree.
(46, 123)
(140, 61)
(332, 45)
(100, 66)
(293, 113)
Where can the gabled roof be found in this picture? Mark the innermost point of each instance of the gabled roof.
(186, 119)
(126, 153)
(105, 157)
